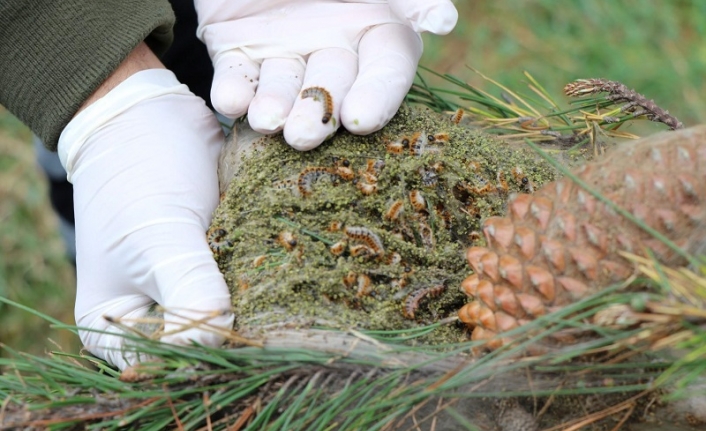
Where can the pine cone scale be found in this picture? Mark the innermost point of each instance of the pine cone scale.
(561, 244)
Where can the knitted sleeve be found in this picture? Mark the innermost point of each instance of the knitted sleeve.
(54, 54)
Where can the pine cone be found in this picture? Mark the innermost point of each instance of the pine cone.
(562, 244)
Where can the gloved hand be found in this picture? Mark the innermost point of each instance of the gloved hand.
(364, 53)
(143, 163)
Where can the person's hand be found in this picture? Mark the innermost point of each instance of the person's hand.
(363, 53)
(143, 162)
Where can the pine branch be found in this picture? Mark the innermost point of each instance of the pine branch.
(618, 92)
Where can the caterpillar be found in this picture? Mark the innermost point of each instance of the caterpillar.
(417, 200)
(335, 226)
(368, 177)
(393, 258)
(416, 146)
(458, 116)
(474, 165)
(287, 240)
(502, 182)
(522, 179)
(374, 166)
(217, 241)
(486, 188)
(438, 167)
(394, 211)
(397, 147)
(339, 248)
(372, 170)
(350, 279)
(284, 184)
(259, 261)
(367, 188)
(438, 138)
(344, 172)
(365, 286)
(361, 250)
(243, 283)
(403, 281)
(411, 304)
(322, 95)
(443, 214)
(429, 178)
(366, 236)
(308, 176)
(338, 161)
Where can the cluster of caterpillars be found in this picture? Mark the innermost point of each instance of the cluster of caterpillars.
(417, 144)
(363, 242)
(414, 213)
(415, 227)
(359, 242)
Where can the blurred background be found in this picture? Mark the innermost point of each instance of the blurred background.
(657, 47)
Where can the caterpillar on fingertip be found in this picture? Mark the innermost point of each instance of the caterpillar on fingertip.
(322, 95)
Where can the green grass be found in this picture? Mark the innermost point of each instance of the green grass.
(656, 47)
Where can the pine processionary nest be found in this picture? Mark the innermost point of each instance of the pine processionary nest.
(364, 232)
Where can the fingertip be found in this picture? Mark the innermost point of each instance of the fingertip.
(388, 62)
(280, 83)
(104, 334)
(304, 132)
(268, 113)
(207, 328)
(315, 115)
(235, 79)
(200, 312)
(439, 21)
(367, 109)
(435, 16)
(231, 98)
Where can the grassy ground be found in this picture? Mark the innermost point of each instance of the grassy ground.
(653, 46)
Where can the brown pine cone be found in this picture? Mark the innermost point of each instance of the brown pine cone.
(561, 244)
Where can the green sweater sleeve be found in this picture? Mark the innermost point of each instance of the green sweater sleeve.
(55, 53)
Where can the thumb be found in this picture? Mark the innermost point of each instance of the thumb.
(194, 295)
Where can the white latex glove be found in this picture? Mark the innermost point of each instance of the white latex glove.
(365, 53)
(143, 163)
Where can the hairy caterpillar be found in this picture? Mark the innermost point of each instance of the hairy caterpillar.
(457, 116)
(397, 147)
(411, 304)
(308, 176)
(339, 248)
(322, 95)
(365, 286)
(366, 236)
(429, 178)
(417, 200)
(394, 211)
(438, 138)
(217, 241)
(287, 240)
(367, 188)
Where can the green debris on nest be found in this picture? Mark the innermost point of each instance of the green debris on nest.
(275, 247)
